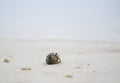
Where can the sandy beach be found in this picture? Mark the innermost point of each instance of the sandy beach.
(23, 61)
(84, 33)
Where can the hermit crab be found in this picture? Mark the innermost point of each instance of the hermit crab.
(53, 58)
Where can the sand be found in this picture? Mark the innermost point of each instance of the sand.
(23, 61)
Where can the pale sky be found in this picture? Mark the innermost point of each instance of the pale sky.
(80, 19)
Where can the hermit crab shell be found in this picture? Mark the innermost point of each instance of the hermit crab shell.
(52, 58)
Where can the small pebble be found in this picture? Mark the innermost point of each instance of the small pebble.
(94, 71)
(88, 64)
(78, 67)
(6, 60)
(69, 76)
(26, 68)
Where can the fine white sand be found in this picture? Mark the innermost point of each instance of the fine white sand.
(82, 61)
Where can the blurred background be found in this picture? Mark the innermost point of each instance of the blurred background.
(60, 19)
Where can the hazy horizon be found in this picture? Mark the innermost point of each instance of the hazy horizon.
(65, 19)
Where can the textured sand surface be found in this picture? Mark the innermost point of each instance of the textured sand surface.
(82, 62)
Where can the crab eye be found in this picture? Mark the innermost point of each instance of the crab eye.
(56, 53)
